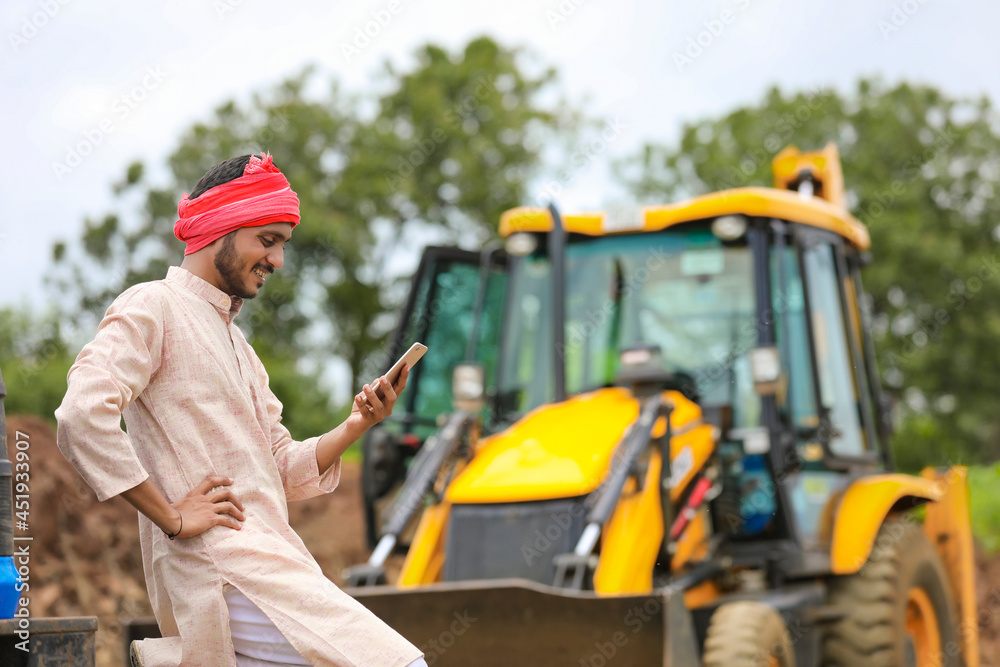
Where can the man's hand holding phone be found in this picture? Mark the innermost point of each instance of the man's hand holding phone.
(375, 401)
(373, 404)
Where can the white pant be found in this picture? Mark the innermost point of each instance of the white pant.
(258, 643)
(256, 640)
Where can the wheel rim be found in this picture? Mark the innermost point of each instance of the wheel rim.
(922, 628)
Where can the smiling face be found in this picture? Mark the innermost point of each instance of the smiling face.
(247, 256)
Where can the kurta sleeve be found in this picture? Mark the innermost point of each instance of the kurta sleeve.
(296, 460)
(110, 373)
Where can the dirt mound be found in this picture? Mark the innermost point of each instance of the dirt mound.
(988, 589)
(86, 560)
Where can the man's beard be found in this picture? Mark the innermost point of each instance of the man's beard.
(227, 264)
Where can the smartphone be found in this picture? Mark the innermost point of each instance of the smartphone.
(411, 357)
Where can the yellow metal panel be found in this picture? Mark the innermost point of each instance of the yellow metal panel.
(862, 510)
(948, 527)
(693, 542)
(824, 166)
(685, 412)
(632, 537)
(530, 219)
(701, 595)
(556, 451)
(752, 201)
(701, 442)
(426, 554)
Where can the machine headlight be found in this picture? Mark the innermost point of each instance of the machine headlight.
(765, 366)
(520, 244)
(729, 227)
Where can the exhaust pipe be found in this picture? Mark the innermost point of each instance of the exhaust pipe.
(557, 250)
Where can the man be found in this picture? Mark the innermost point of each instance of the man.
(206, 460)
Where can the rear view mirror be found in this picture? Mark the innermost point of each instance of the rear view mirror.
(468, 387)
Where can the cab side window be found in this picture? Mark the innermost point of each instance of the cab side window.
(838, 386)
(788, 301)
(442, 319)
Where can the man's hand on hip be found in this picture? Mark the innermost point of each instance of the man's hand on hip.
(207, 506)
(204, 507)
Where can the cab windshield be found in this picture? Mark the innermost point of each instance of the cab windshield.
(681, 289)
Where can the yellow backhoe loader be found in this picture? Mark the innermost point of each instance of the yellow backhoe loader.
(659, 438)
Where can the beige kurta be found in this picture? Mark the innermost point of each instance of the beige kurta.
(196, 402)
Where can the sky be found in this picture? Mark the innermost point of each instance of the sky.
(88, 87)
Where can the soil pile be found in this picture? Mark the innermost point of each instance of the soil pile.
(988, 589)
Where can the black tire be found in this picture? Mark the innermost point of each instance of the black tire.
(873, 632)
(747, 634)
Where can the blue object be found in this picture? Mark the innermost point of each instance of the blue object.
(9, 584)
(757, 504)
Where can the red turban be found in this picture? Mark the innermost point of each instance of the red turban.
(259, 197)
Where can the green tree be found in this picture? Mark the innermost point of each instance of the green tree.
(34, 360)
(447, 147)
(921, 171)
(456, 140)
(453, 145)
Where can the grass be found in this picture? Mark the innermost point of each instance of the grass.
(352, 453)
(984, 483)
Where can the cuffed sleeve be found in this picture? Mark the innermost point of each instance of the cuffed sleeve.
(299, 471)
(109, 373)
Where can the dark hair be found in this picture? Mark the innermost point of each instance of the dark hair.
(220, 173)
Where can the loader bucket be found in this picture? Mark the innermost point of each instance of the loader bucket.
(520, 622)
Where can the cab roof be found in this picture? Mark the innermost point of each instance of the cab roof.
(750, 201)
